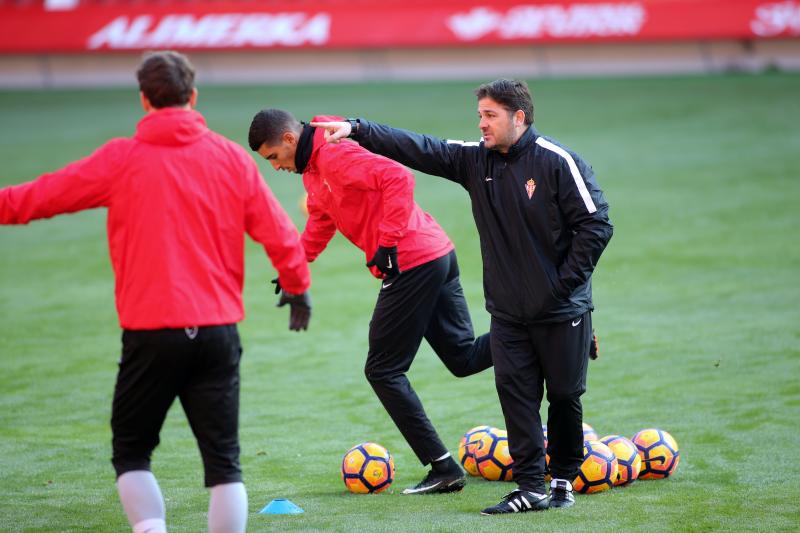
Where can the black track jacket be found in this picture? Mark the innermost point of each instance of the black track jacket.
(542, 219)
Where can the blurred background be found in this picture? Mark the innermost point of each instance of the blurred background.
(57, 43)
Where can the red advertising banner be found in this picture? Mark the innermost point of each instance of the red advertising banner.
(242, 24)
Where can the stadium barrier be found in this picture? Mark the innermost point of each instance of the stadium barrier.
(64, 42)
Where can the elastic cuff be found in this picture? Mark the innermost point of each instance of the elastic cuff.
(130, 466)
(223, 480)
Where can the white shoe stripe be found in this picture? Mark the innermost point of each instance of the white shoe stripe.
(526, 502)
(415, 490)
(516, 509)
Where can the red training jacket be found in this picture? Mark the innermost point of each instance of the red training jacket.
(370, 200)
(180, 198)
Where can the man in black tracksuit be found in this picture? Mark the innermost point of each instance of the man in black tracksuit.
(543, 223)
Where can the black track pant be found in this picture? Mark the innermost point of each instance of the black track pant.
(200, 366)
(525, 358)
(426, 301)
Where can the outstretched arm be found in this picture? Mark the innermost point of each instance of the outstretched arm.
(425, 153)
(84, 184)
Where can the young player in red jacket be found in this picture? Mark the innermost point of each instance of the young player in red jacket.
(370, 200)
(180, 199)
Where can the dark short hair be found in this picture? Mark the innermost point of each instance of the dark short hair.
(268, 125)
(166, 78)
(511, 94)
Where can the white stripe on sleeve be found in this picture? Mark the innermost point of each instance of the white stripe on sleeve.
(462, 143)
(576, 174)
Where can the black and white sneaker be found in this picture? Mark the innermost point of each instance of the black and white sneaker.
(561, 493)
(519, 501)
(439, 483)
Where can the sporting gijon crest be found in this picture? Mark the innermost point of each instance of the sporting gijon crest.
(530, 187)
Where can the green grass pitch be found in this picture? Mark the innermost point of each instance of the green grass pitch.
(697, 311)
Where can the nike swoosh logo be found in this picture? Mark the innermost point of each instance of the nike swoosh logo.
(576, 322)
(415, 490)
(390, 262)
(387, 285)
(488, 178)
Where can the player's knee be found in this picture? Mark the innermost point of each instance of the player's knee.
(124, 464)
(457, 361)
(131, 452)
(459, 371)
(385, 368)
(378, 375)
(564, 395)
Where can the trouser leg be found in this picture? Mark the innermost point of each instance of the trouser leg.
(450, 331)
(210, 399)
(151, 371)
(565, 355)
(518, 379)
(398, 324)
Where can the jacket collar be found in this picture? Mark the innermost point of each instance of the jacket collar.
(171, 126)
(304, 147)
(523, 143)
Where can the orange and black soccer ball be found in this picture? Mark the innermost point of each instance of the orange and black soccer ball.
(492, 456)
(598, 470)
(629, 464)
(659, 453)
(367, 468)
(466, 447)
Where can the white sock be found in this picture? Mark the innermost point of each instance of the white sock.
(142, 501)
(151, 525)
(227, 508)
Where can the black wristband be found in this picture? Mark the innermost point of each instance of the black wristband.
(354, 124)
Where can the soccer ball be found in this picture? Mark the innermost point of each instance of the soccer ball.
(628, 461)
(546, 455)
(659, 453)
(492, 456)
(589, 433)
(367, 468)
(465, 448)
(598, 470)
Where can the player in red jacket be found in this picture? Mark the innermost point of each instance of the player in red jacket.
(180, 199)
(370, 200)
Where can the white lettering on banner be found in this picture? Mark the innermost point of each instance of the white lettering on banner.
(776, 18)
(213, 31)
(550, 20)
(118, 34)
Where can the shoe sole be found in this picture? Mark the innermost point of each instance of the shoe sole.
(453, 486)
(562, 506)
(531, 510)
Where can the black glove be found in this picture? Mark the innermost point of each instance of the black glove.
(385, 260)
(278, 287)
(594, 347)
(300, 309)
